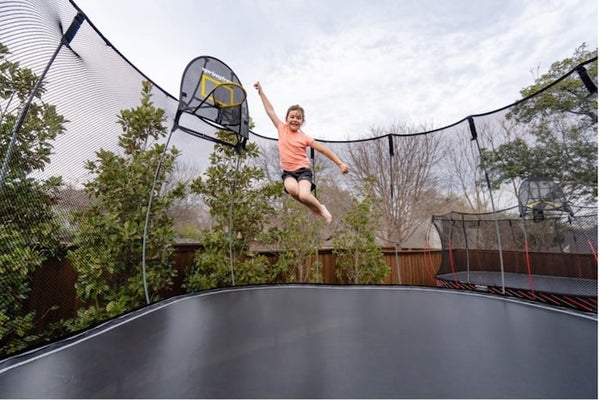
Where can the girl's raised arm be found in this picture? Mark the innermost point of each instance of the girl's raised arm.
(268, 107)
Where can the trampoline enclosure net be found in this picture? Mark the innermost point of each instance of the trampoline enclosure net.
(80, 137)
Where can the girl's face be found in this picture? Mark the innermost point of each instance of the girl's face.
(294, 119)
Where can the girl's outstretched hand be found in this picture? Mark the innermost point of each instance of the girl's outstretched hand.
(257, 86)
(343, 168)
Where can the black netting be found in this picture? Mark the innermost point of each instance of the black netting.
(410, 173)
(557, 254)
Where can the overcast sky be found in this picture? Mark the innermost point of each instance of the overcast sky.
(355, 64)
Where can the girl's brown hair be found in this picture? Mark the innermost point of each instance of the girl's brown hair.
(295, 107)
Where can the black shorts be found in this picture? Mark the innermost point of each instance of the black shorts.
(300, 174)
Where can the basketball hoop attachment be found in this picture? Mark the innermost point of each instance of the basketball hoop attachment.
(540, 194)
(211, 93)
(220, 95)
(227, 94)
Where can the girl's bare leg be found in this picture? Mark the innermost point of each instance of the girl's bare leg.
(325, 214)
(301, 192)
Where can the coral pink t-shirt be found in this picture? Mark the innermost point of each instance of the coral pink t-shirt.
(292, 148)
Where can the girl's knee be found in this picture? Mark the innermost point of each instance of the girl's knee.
(293, 192)
(305, 197)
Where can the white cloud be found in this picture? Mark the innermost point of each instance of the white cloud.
(358, 63)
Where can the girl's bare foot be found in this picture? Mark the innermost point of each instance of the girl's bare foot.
(325, 214)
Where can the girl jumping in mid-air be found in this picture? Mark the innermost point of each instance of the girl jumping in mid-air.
(297, 175)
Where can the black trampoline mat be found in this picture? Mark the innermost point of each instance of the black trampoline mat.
(305, 341)
(541, 283)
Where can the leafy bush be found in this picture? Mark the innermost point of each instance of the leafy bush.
(240, 207)
(28, 226)
(358, 258)
(109, 244)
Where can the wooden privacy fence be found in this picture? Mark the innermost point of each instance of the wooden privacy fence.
(407, 267)
(53, 294)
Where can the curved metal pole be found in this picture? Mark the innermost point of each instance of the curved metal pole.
(66, 39)
(487, 180)
(317, 232)
(233, 187)
(393, 205)
(148, 208)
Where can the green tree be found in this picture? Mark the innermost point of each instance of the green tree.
(240, 207)
(358, 258)
(558, 137)
(294, 239)
(27, 224)
(108, 247)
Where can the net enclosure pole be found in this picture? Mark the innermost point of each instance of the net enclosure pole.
(149, 208)
(65, 40)
(466, 248)
(487, 180)
(391, 152)
(317, 232)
